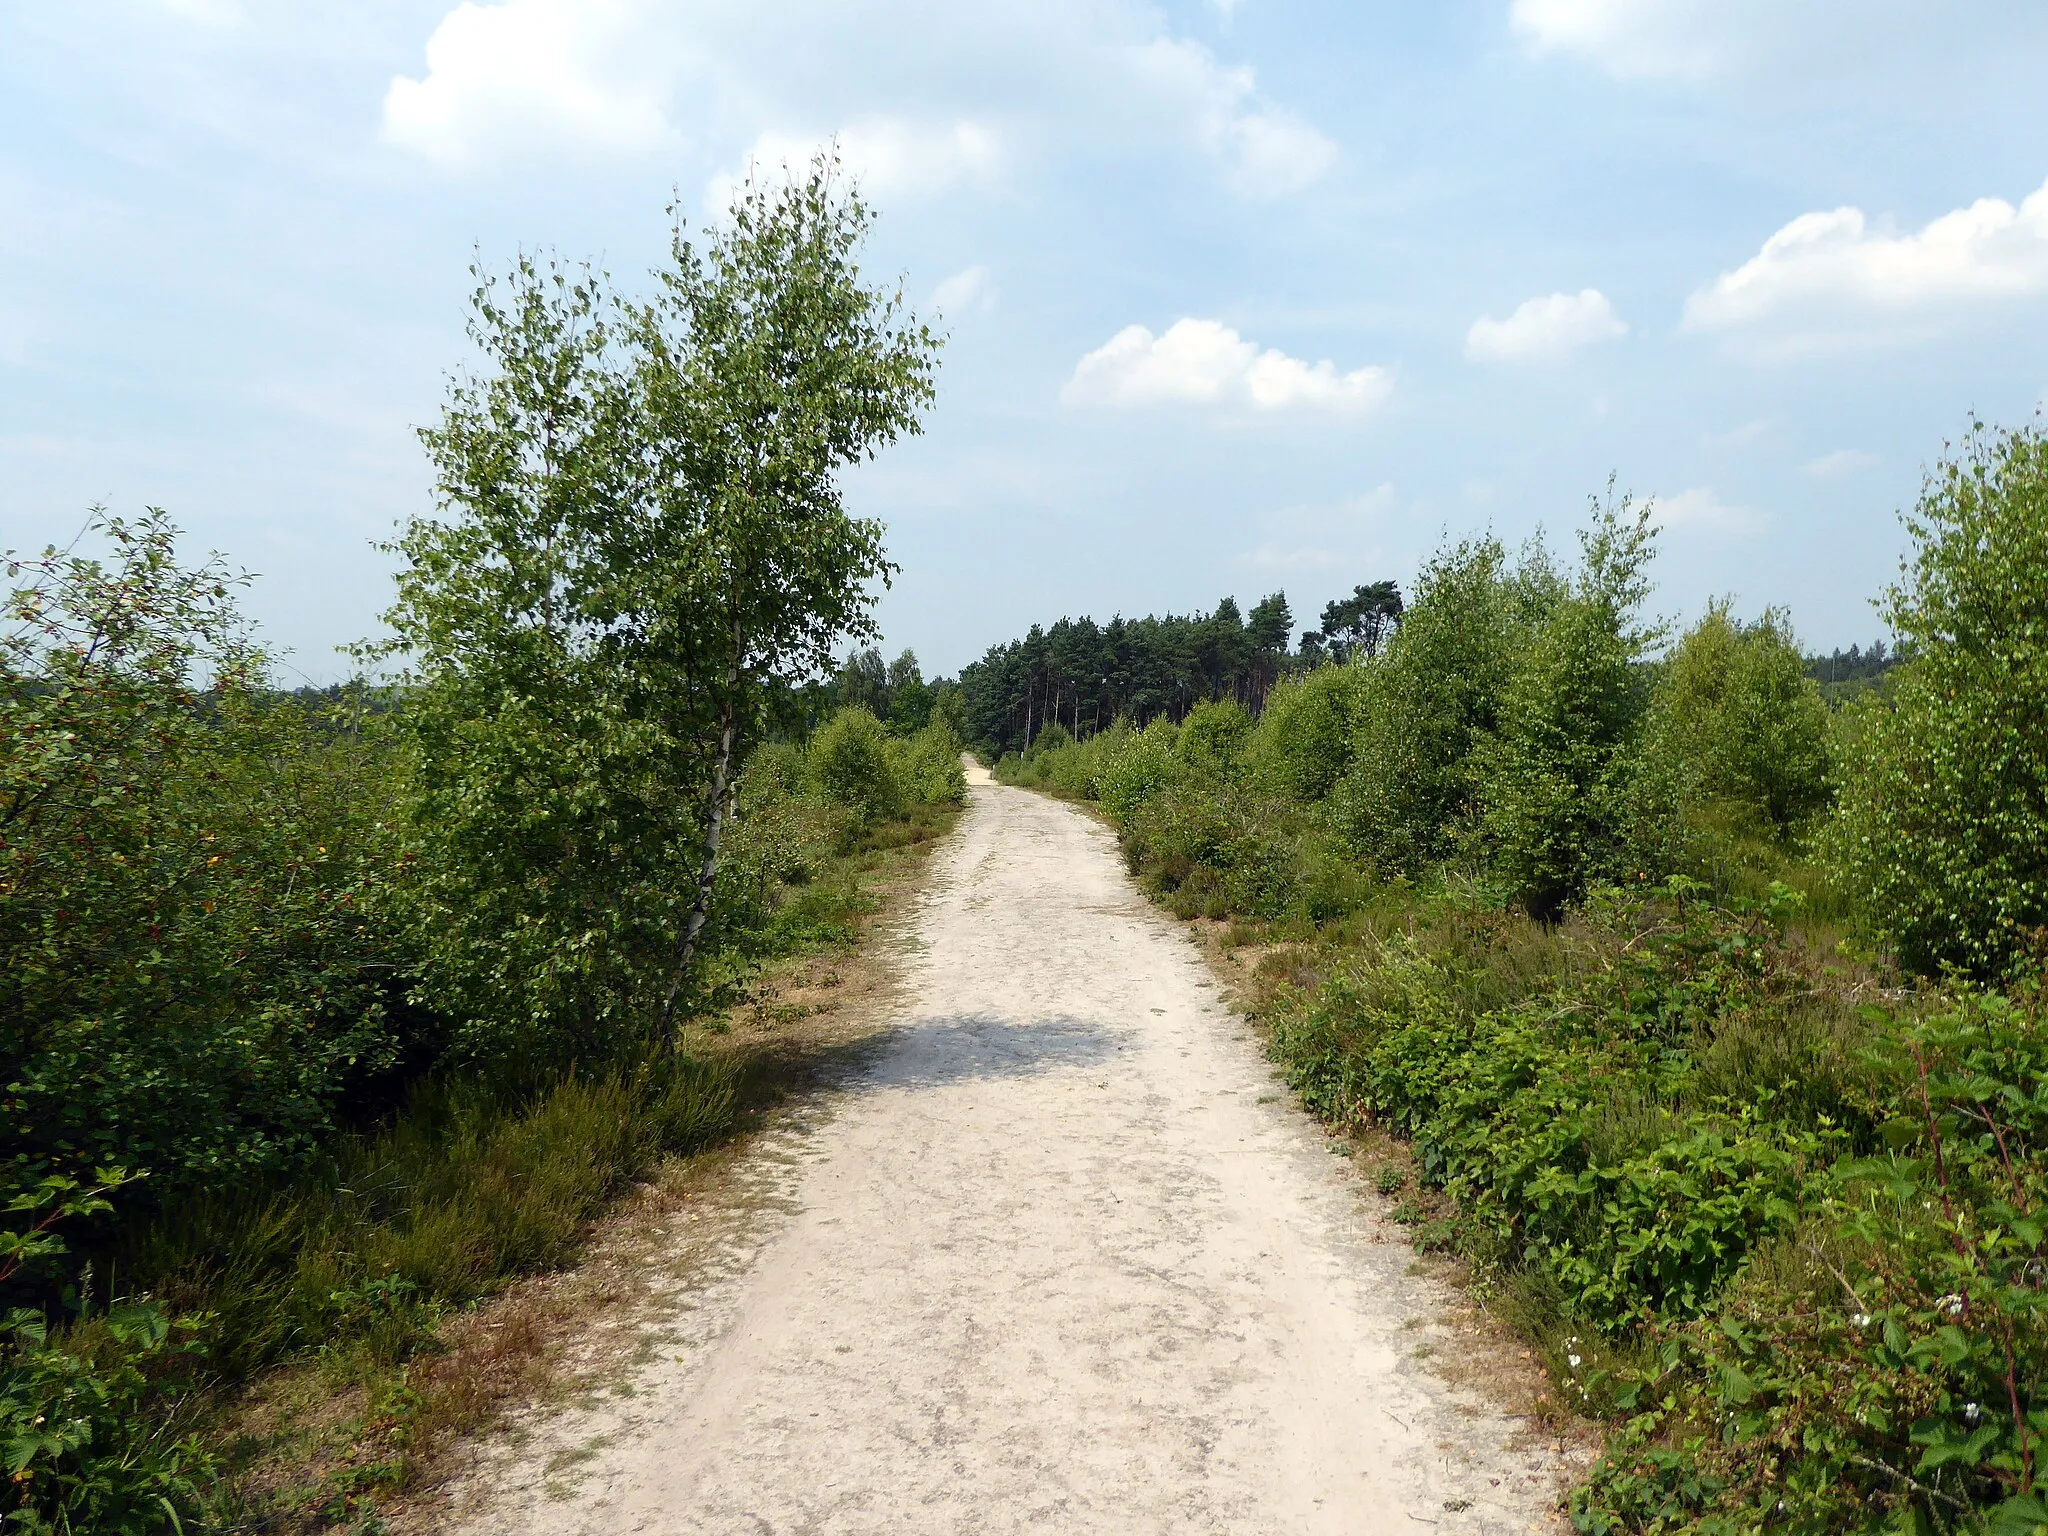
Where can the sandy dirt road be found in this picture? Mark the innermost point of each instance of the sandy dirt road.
(1058, 1256)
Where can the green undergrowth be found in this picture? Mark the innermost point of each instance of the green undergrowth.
(1784, 1238)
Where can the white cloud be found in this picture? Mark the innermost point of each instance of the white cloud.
(1204, 362)
(964, 291)
(1265, 150)
(1700, 510)
(533, 75)
(1843, 461)
(1545, 329)
(1829, 276)
(890, 157)
(1628, 38)
(933, 107)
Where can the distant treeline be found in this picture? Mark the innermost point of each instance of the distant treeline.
(1081, 675)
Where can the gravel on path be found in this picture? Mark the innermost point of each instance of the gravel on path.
(1061, 1255)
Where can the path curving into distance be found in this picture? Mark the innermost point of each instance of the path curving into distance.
(1060, 1256)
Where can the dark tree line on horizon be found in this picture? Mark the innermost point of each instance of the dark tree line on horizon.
(1081, 675)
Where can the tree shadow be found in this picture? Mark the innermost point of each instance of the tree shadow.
(932, 1053)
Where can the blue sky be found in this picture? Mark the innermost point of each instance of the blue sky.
(1241, 296)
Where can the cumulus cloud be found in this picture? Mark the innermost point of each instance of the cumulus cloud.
(527, 75)
(1265, 150)
(1545, 329)
(1700, 511)
(1829, 273)
(964, 291)
(934, 108)
(890, 157)
(1204, 362)
(1628, 38)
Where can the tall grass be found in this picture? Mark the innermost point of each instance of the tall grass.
(457, 1193)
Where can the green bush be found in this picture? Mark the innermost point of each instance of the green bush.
(1433, 694)
(1944, 827)
(1555, 778)
(1213, 738)
(1138, 767)
(849, 761)
(926, 768)
(198, 955)
(91, 1430)
(1735, 722)
(1303, 743)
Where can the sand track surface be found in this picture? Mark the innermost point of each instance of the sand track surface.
(1056, 1255)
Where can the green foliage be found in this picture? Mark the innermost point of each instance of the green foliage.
(90, 1429)
(1555, 777)
(642, 541)
(1944, 828)
(1213, 738)
(850, 760)
(1433, 695)
(1886, 1364)
(926, 767)
(1303, 743)
(1791, 1246)
(1137, 768)
(1737, 723)
(196, 952)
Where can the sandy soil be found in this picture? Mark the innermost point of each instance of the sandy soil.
(1057, 1255)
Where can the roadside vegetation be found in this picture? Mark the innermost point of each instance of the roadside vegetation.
(324, 1015)
(1711, 1009)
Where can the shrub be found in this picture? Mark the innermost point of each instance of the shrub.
(93, 1440)
(1434, 693)
(197, 949)
(1734, 720)
(1140, 767)
(1213, 738)
(1052, 738)
(1944, 829)
(926, 768)
(849, 759)
(1554, 779)
(1303, 742)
